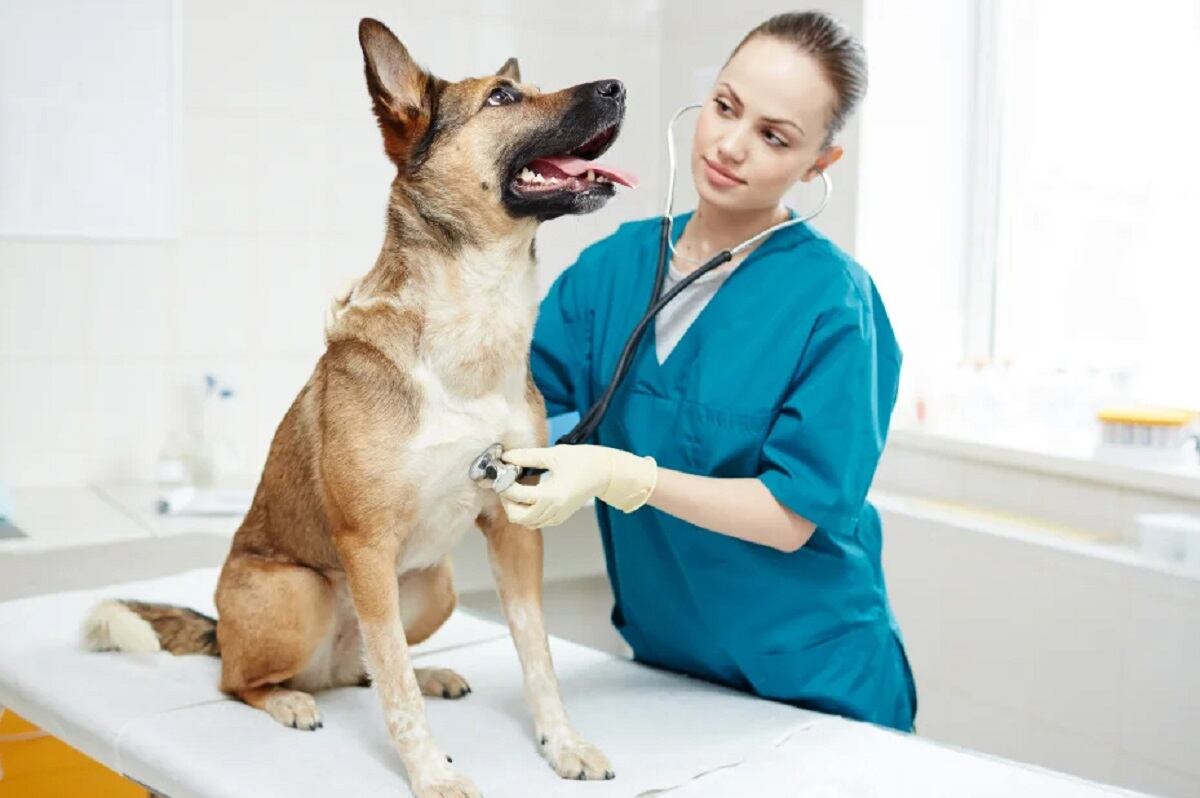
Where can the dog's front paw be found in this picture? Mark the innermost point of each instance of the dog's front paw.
(294, 708)
(573, 757)
(441, 683)
(452, 787)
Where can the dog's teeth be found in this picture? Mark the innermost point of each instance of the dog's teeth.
(537, 178)
(591, 176)
(526, 174)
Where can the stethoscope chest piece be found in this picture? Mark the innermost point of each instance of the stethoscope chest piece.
(488, 465)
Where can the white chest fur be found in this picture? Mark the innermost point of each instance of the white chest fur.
(457, 422)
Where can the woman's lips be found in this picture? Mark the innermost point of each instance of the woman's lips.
(720, 176)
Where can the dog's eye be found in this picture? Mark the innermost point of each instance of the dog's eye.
(501, 96)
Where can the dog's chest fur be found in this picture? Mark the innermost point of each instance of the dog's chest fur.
(471, 377)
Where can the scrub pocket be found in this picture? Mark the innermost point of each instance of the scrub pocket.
(721, 443)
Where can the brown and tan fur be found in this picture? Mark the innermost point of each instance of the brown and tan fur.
(343, 555)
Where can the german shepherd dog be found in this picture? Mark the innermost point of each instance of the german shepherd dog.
(342, 561)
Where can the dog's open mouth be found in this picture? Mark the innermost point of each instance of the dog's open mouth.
(574, 171)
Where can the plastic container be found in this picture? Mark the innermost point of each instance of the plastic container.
(220, 457)
(1170, 537)
(1147, 436)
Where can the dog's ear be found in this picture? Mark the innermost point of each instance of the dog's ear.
(510, 70)
(400, 89)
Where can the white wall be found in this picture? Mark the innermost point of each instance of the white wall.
(1075, 656)
(88, 102)
(284, 185)
(1036, 629)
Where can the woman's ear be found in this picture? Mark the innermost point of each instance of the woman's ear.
(827, 158)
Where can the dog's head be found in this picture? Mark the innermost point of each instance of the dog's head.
(490, 150)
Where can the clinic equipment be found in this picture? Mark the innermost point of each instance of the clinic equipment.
(1148, 436)
(489, 465)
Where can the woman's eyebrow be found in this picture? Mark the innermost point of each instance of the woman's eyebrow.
(772, 121)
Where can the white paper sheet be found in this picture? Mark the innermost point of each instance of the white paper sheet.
(837, 758)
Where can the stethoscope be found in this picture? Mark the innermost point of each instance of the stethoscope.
(489, 464)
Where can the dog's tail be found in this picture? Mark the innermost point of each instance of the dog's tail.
(138, 627)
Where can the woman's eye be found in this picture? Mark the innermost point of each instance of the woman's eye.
(774, 140)
(724, 107)
(501, 96)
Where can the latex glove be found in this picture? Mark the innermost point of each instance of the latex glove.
(577, 473)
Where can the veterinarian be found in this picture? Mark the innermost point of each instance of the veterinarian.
(733, 465)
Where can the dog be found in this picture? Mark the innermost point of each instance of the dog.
(342, 562)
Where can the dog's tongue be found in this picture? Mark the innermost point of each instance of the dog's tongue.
(577, 166)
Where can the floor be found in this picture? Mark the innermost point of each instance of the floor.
(35, 765)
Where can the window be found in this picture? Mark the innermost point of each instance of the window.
(1097, 258)
(1030, 188)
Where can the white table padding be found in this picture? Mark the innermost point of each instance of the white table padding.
(85, 699)
(161, 720)
(89, 699)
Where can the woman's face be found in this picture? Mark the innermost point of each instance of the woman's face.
(762, 127)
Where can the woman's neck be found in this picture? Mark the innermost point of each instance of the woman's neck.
(712, 230)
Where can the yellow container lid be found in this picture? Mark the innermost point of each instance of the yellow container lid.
(1148, 416)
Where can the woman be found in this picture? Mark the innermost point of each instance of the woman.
(751, 423)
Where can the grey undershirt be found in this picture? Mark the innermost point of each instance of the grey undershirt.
(674, 320)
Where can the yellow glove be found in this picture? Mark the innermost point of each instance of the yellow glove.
(577, 473)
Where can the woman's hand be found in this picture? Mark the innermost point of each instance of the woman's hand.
(742, 508)
(576, 474)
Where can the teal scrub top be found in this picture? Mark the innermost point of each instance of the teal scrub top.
(788, 375)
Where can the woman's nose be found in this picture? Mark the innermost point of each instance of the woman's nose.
(732, 145)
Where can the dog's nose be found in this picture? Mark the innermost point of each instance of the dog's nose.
(612, 89)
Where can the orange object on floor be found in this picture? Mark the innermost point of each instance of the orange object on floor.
(35, 765)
